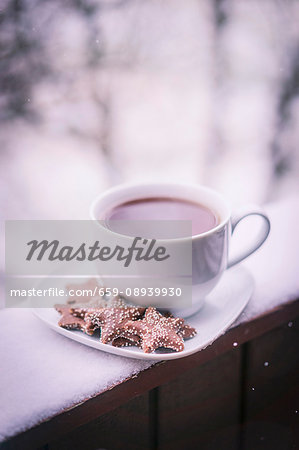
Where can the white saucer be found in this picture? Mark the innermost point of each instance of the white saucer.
(220, 310)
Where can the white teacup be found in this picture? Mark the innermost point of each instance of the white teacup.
(210, 249)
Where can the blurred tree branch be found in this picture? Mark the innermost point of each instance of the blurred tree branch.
(23, 49)
(282, 151)
(21, 60)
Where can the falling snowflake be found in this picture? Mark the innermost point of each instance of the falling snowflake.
(266, 364)
(235, 344)
(290, 324)
(252, 388)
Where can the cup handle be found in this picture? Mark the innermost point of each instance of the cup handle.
(261, 235)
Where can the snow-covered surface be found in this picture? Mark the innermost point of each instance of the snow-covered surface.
(43, 372)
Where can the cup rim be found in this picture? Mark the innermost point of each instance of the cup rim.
(128, 186)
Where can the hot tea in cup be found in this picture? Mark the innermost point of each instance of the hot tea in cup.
(161, 208)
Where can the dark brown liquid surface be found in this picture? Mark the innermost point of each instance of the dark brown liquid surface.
(203, 219)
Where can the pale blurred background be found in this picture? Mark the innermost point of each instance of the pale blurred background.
(96, 93)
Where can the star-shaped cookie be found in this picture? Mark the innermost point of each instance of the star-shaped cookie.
(186, 331)
(126, 339)
(69, 321)
(111, 302)
(157, 331)
(111, 321)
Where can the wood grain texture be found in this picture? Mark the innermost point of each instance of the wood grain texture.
(272, 390)
(126, 427)
(200, 409)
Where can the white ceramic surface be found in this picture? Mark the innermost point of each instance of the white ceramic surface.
(210, 250)
(221, 308)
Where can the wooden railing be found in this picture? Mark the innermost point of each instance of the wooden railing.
(227, 396)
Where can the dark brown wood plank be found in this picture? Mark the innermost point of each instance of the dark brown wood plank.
(126, 427)
(201, 408)
(272, 390)
(159, 374)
